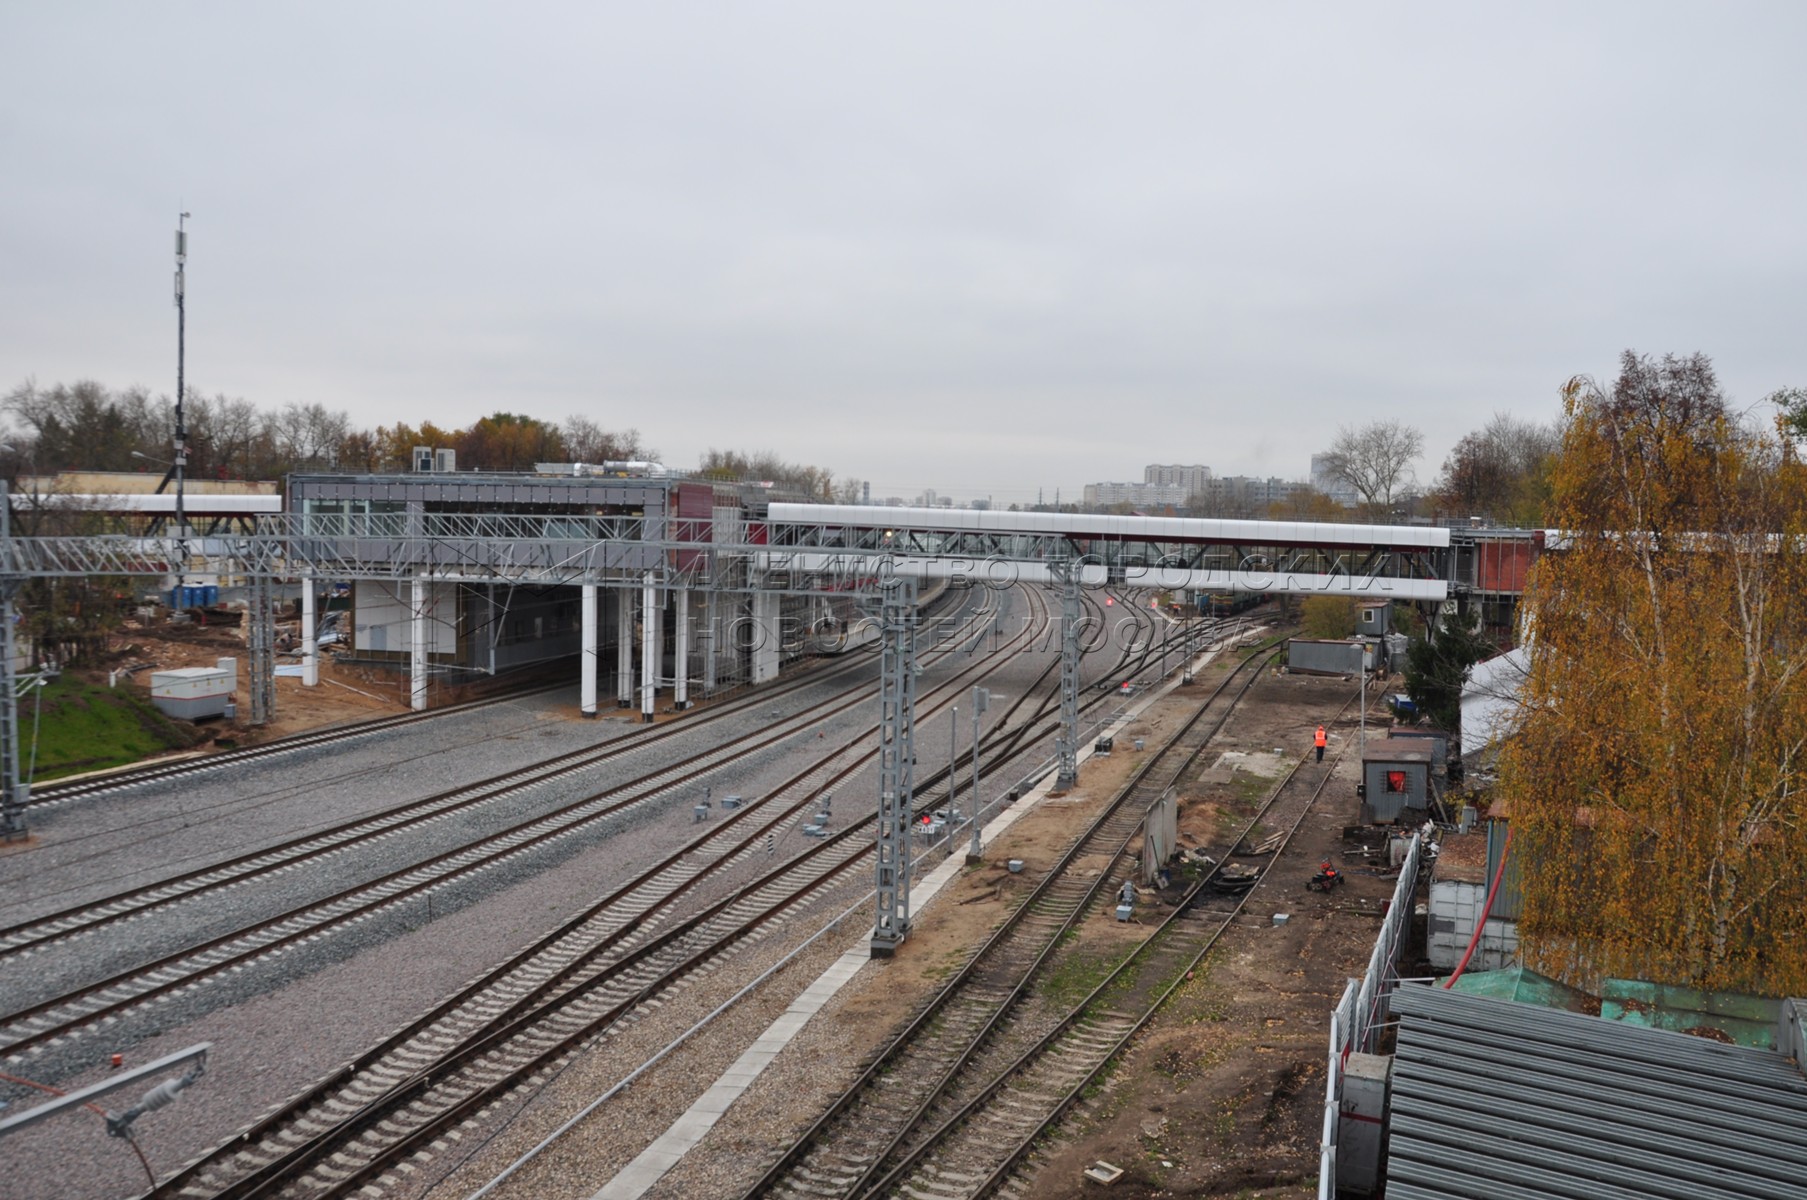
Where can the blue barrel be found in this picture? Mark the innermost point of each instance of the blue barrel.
(210, 595)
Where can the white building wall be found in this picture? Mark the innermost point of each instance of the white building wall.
(1454, 909)
(382, 612)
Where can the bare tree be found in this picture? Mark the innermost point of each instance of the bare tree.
(1376, 460)
(588, 442)
(308, 435)
(1501, 470)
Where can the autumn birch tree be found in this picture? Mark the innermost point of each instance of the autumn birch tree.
(1655, 784)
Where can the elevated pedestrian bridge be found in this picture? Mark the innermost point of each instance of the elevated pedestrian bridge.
(1390, 562)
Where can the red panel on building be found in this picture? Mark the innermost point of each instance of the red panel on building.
(1501, 566)
(694, 509)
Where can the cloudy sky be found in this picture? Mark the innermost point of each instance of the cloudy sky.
(981, 247)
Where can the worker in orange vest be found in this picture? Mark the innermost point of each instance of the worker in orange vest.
(1320, 743)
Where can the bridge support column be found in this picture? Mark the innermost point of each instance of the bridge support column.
(417, 644)
(680, 678)
(1066, 742)
(624, 646)
(650, 646)
(896, 764)
(310, 653)
(711, 640)
(768, 637)
(586, 688)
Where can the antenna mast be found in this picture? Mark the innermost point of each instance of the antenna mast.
(181, 459)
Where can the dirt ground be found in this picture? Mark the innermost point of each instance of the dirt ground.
(346, 693)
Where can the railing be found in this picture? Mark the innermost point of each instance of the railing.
(1342, 1021)
(391, 526)
(1358, 1018)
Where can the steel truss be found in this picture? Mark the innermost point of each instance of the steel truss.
(1119, 556)
(896, 764)
(1066, 743)
(423, 547)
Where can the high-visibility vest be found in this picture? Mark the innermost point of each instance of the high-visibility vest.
(1321, 739)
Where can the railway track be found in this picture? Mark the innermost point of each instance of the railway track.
(56, 793)
(575, 983)
(1133, 664)
(582, 982)
(318, 845)
(872, 1122)
(56, 1019)
(49, 794)
(48, 928)
(978, 1138)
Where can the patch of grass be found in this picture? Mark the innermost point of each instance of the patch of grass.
(1250, 789)
(1074, 974)
(1224, 1126)
(1201, 998)
(81, 726)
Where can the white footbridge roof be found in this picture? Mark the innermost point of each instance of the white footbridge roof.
(1391, 562)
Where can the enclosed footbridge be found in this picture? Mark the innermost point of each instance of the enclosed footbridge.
(655, 556)
(1390, 562)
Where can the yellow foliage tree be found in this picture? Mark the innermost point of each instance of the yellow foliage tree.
(1329, 616)
(1655, 787)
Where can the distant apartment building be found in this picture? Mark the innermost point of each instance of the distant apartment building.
(1141, 495)
(1195, 478)
(1162, 485)
(1197, 488)
(1337, 489)
(1245, 495)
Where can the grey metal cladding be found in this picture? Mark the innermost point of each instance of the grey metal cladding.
(1497, 1099)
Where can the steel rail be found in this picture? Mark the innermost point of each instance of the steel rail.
(986, 991)
(157, 771)
(59, 1017)
(957, 1156)
(562, 984)
(348, 835)
(614, 921)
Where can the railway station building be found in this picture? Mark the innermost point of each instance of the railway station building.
(450, 609)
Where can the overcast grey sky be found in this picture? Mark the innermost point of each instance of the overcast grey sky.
(983, 248)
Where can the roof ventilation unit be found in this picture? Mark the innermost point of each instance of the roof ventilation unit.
(445, 461)
(423, 458)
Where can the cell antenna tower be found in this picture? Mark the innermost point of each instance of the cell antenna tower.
(180, 465)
